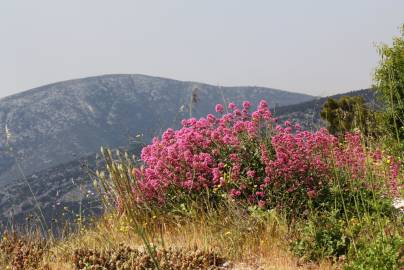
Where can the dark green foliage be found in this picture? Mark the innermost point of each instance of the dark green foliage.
(389, 78)
(348, 113)
(352, 223)
(322, 236)
(365, 241)
(381, 253)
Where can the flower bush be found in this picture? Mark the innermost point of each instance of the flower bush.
(331, 191)
(247, 157)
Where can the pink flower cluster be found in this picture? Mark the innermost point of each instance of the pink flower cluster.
(194, 157)
(302, 159)
(352, 156)
(393, 177)
(246, 156)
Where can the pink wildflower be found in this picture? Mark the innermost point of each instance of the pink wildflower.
(235, 193)
(394, 170)
(219, 108)
(311, 194)
(251, 173)
(261, 203)
(232, 106)
(246, 105)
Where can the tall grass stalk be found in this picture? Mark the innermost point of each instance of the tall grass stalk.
(41, 217)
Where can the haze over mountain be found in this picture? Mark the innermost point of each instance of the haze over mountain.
(63, 122)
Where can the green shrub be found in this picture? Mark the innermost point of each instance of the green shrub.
(381, 253)
(349, 113)
(323, 236)
(343, 221)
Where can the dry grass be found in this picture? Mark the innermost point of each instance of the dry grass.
(244, 240)
(245, 243)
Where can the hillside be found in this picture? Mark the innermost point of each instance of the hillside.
(57, 123)
(62, 192)
(60, 123)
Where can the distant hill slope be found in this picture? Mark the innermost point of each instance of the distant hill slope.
(61, 192)
(54, 126)
(308, 113)
(60, 122)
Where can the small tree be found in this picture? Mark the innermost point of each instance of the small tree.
(348, 113)
(389, 79)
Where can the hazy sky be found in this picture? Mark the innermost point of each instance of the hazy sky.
(317, 47)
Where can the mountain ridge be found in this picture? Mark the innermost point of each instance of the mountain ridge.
(142, 75)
